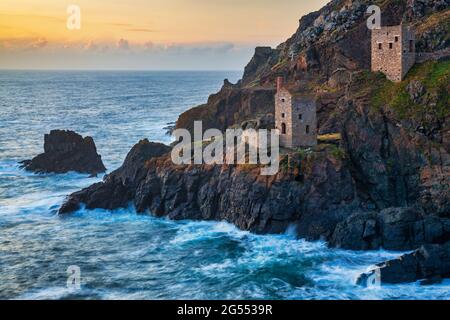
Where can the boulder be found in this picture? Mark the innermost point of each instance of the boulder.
(66, 151)
(430, 264)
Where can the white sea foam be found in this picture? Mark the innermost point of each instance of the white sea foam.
(123, 255)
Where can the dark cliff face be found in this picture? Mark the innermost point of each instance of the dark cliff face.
(118, 188)
(229, 107)
(327, 47)
(315, 186)
(240, 195)
(386, 183)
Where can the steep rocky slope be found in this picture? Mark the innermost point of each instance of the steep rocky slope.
(305, 185)
(385, 184)
(327, 47)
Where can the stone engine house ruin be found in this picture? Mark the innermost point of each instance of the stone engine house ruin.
(393, 51)
(295, 117)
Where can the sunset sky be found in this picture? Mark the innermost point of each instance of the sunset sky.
(144, 34)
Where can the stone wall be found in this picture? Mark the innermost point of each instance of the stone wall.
(387, 52)
(409, 49)
(393, 51)
(283, 115)
(299, 115)
(305, 127)
(436, 55)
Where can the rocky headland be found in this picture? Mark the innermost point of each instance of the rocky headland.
(66, 151)
(384, 183)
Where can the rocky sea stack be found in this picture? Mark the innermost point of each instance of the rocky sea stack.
(383, 181)
(66, 151)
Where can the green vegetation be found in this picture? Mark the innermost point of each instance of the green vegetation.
(281, 64)
(435, 77)
(337, 152)
(254, 83)
(435, 20)
(303, 153)
(329, 138)
(364, 83)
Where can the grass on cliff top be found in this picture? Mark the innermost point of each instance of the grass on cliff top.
(432, 21)
(331, 137)
(435, 76)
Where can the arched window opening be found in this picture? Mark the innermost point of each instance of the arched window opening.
(283, 128)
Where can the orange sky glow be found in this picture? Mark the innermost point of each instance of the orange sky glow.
(108, 25)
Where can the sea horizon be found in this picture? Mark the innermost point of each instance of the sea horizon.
(219, 153)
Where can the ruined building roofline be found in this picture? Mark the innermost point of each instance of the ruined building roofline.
(293, 90)
(400, 27)
(297, 92)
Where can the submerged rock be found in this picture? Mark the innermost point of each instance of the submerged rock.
(66, 151)
(430, 264)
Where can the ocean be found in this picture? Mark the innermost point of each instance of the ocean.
(123, 255)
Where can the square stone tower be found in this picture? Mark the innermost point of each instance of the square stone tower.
(393, 51)
(295, 117)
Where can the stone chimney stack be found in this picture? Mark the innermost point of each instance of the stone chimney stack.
(280, 82)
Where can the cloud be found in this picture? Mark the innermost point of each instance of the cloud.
(91, 46)
(32, 53)
(40, 43)
(123, 44)
(225, 47)
(25, 43)
(149, 45)
(140, 30)
(200, 48)
(120, 24)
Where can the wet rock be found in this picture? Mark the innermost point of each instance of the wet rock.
(391, 229)
(237, 194)
(384, 185)
(430, 264)
(118, 188)
(66, 151)
(430, 281)
(169, 128)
